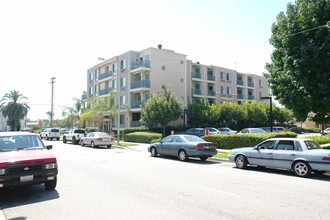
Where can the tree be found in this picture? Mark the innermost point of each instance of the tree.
(110, 105)
(11, 107)
(162, 108)
(299, 70)
(197, 112)
(94, 113)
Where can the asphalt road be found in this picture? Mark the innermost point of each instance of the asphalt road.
(129, 184)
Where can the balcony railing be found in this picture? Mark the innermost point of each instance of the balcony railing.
(140, 63)
(211, 93)
(136, 104)
(240, 82)
(196, 91)
(105, 75)
(250, 84)
(211, 77)
(104, 91)
(240, 96)
(251, 97)
(196, 75)
(140, 84)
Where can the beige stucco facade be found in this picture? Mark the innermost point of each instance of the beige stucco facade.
(137, 75)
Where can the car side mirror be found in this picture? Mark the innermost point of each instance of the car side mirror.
(255, 148)
(49, 147)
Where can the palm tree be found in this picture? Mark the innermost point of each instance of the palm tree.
(94, 113)
(13, 109)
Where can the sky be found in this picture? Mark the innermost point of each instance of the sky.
(41, 39)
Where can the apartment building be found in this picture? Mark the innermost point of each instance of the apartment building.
(135, 76)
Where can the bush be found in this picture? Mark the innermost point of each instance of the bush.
(134, 129)
(313, 130)
(320, 139)
(142, 137)
(243, 140)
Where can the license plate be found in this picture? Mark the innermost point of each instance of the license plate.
(207, 147)
(27, 178)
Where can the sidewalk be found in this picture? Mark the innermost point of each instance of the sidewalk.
(2, 215)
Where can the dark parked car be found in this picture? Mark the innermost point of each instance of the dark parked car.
(183, 146)
(195, 131)
(298, 130)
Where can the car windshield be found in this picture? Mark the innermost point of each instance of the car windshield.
(24, 142)
(102, 134)
(79, 131)
(193, 139)
(312, 145)
(55, 130)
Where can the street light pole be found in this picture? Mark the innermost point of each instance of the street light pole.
(52, 102)
(271, 110)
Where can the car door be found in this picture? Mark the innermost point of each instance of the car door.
(89, 138)
(162, 148)
(285, 152)
(173, 147)
(262, 155)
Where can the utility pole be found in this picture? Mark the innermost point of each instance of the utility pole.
(271, 111)
(52, 102)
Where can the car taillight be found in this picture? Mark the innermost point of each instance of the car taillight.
(326, 158)
(112, 139)
(99, 139)
(213, 146)
(199, 146)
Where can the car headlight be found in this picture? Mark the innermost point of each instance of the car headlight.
(2, 171)
(230, 152)
(50, 166)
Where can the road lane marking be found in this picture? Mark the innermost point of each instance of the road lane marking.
(216, 190)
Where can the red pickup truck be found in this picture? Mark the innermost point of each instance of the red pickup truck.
(24, 159)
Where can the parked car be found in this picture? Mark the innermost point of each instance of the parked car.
(97, 139)
(275, 129)
(212, 130)
(227, 131)
(326, 131)
(251, 131)
(183, 146)
(298, 130)
(303, 156)
(24, 159)
(194, 131)
(74, 135)
(50, 133)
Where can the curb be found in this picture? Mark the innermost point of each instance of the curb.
(2, 215)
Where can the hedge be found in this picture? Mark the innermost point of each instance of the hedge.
(223, 141)
(312, 130)
(143, 137)
(134, 129)
(320, 139)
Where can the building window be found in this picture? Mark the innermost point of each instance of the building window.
(223, 91)
(260, 94)
(222, 76)
(229, 90)
(122, 82)
(182, 80)
(228, 76)
(146, 97)
(96, 90)
(96, 74)
(91, 76)
(122, 119)
(114, 68)
(123, 64)
(122, 100)
(114, 84)
(260, 83)
(163, 67)
(90, 90)
(181, 61)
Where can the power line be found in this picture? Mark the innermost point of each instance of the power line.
(290, 35)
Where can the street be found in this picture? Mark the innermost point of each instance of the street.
(101, 183)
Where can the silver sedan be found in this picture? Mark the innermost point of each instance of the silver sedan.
(97, 139)
(303, 156)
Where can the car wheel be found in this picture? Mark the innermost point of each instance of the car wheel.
(183, 155)
(153, 152)
(81, 143)
(302, 169)
(203, 158)
(64, 140)
(51, 184)
(47, 138)
(74, 141)
(93, 145)
(109, 146)
(241, 162)
(58, 139)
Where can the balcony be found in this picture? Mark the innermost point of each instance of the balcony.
(104, 91)
(251, 97)
(240, 96)
(196, 75)
(136, 104)
(240, 82)
(84, 97)
(105, 75)
(250, 84)
(211, 93)
(140, 63)
(196, 91)
(211, 77)
(140, 84)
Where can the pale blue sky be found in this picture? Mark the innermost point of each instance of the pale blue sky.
(41, 39)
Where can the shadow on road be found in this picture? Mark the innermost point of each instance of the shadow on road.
(19, 196)
(190, 160)
(323, 177)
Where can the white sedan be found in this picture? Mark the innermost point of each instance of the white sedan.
(303, 156)
(97, 139)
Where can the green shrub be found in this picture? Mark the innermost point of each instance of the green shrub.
(313, 130)
(134, 129)
(142, 137)
(243, 140)
(320, 139)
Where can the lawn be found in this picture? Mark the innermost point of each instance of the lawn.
(221, 155)
(123, 144)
